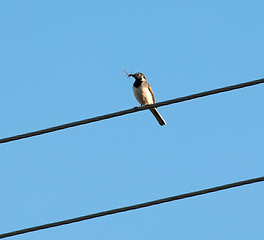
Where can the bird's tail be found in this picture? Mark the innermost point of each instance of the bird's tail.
(158, 116)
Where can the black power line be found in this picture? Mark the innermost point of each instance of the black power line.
(131, 110)
(132, 207)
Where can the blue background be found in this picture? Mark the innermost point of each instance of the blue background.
(63, 61)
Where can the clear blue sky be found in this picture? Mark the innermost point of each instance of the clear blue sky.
(63, 61)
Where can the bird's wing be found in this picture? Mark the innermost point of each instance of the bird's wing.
(149, 88)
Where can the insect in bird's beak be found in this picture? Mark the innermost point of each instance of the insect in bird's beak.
(128, 74)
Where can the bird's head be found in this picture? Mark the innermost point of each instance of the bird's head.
(138, 76)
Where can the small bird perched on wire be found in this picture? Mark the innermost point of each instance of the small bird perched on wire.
(144, 94)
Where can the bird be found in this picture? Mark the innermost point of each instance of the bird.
(144, 94)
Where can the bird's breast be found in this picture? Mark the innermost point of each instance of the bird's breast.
(143, 95)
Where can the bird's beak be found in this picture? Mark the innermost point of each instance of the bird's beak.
(130, 75)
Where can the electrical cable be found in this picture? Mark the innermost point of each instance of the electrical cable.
(133, 207)
(131, 110)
